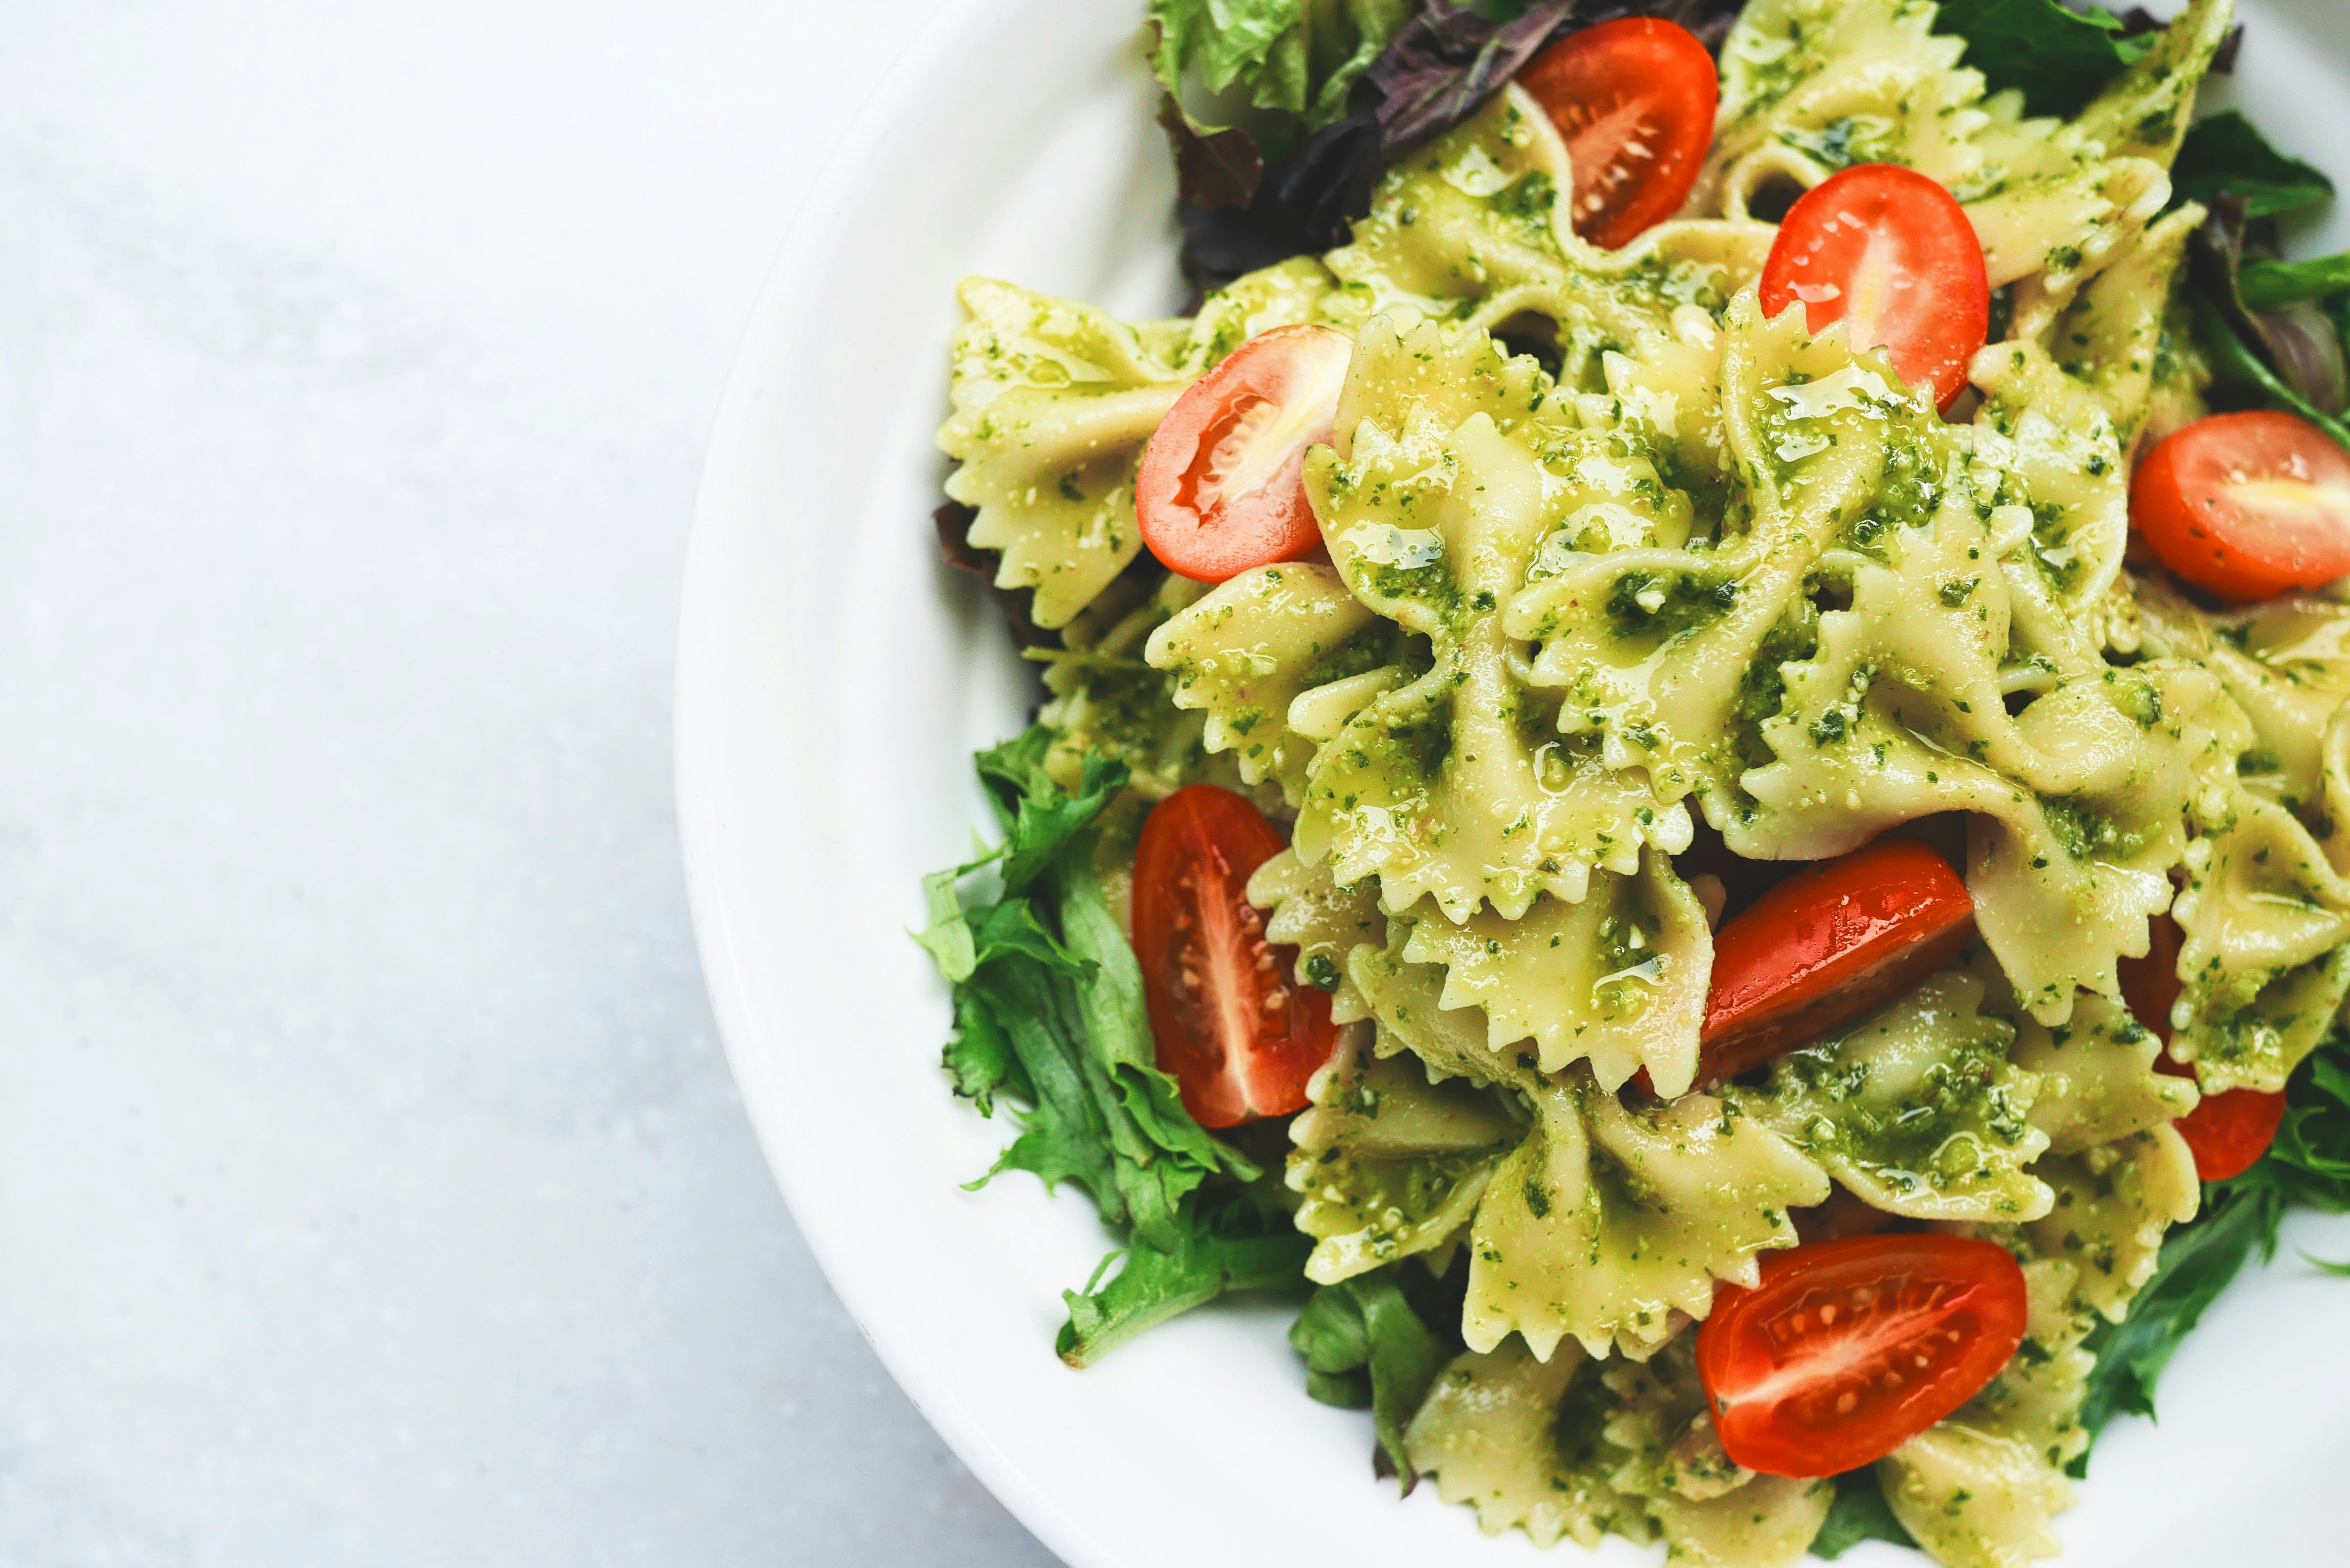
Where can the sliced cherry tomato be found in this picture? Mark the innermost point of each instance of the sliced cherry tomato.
(1830, 943)
(2247, 505)
(1893, 256)
(2229, 1132)
(1849, 1349)
(1222, 486)
(1634, 100)
(1240, 1036)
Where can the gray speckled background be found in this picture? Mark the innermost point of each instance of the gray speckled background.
(371, 1186)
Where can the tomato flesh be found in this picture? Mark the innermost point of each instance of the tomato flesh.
(1238, 1035)
(2229, 1132)
(1223, 485)
(1634, 99)
(1834, 941)
(1892, 255)
(1846, 1350)
(2246, 505)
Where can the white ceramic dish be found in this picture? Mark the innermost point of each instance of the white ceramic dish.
(833, 678)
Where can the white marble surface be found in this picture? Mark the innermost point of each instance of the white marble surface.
(371, 1186)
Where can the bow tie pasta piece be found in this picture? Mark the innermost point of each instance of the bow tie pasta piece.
(1812, 87)
(1568, 1447)
(2098, 1083)
(2057, 215)
(1667, 652)
(2048, 443)
(1053, 403)
(2112, 341)
(1611, 1226)
(1474, 229)
(1976, 1497)
(2286, 663)
(1916, 1108)
(1981, 1489)
(1389, 1164)
(1458, 785)
(2144, 112)
(1105, 702)
(1712, 1513)
(1325, 922)
(2266, 907)
(1248, 650)
(2113, 1204)
(1617, 979)
(1523, 1442)
(2264, 918)
(1404, 999)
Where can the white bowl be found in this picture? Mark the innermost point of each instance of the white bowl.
(833, 678)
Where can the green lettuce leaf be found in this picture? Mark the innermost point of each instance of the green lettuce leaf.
(1367, 1346)
(1297, 58)
(1226, 1239)
(1049, 1010)
(2272, 285)
(1858, 1513)
(979, 1058)
(2225, 153)
(2060, 57)
(1038, 819)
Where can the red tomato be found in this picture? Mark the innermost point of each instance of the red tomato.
(1222, 486)
(1238, 1035)
(2247, 504)
(2227, 1133)
(1634, 100)
(1830, 943)
(1849, 1349)
(1891, 255)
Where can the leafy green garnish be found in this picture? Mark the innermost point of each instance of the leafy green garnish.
(2225, 153)
(2233, 363)
(2270, 285)
(1858, 1513)
(1294, 62)
(1366, 1346)
(1223, 1239)
(1049, 1010)
(1295, 57)
(2060, 58)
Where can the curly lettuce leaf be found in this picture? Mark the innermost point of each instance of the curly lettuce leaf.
(1223, 1240)
(1295, 62)
(1049, 1008)
(1367, 1347)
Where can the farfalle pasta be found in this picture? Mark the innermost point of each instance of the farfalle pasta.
(1637, 580)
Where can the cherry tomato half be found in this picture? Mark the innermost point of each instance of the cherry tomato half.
(1891, 254)
(1849, 1349)
(1222, 486)
(1238, 1035)
(2229, 1132)
(1634, 99)
(2247, 505)
(1830, 943)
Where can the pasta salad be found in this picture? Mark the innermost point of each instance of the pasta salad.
(1692, 768)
